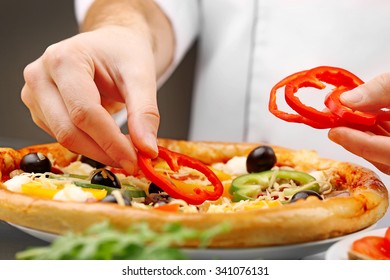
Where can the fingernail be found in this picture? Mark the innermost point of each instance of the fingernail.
(351, 97)
(127, 165)
(332, 134)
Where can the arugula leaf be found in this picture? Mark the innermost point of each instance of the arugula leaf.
(139, 242)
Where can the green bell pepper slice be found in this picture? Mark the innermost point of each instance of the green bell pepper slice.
(250, 186)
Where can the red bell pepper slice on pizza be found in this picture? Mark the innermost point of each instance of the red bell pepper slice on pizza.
(192, 194)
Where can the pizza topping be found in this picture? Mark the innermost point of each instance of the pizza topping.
(285, 182)
(304, 195)
(120, 198)
(260, 159)
(15, 183)
(185, 176)
(73, 193)
(168, 207)
(157, 198)
(191, 194)
(78, 168)
(127, 191)
(132, 192)
(233, 167)
(35, 163)
(153, 188)
(138, 182)
(47, 185)
(35, 188)
(105, 177)
(91, 162)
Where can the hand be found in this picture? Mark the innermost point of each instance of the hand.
(372, 145)
(75, 85)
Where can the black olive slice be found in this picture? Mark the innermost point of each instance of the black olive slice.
(112, 199)
(260, 159)
(35, 163)
(153, 188)
(304, 195)
(92, 162)
(105, 177)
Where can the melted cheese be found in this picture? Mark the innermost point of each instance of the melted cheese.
(78, 168)
(72, 193)
(235, 166)
(15, 184)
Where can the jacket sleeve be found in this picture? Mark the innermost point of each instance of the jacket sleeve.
(184, 18)
(81, 7)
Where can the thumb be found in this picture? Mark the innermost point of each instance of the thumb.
(371, 96)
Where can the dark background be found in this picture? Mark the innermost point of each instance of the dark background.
(27, 28)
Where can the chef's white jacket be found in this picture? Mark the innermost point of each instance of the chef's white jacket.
(246, 46)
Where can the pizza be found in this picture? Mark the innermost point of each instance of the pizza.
(267, 195)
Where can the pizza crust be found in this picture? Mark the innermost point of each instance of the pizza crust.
(304, 221)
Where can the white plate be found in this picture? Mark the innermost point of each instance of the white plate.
(288, 252)
(339, 250)
(45, 236)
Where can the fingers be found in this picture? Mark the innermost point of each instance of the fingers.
(143, 115)
(374, 148)
(83, 104)
(382, 167)
(371, 96)
(72, 89)
(49, 112)
(136, 80)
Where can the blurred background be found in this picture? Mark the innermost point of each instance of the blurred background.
(27, 28)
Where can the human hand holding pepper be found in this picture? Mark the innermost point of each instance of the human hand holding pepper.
(374, 146)
(357, 112)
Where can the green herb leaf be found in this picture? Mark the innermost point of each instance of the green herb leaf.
(139, 242)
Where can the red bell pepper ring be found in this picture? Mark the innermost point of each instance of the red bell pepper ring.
(332, 101)
(328, 119)
(339, 114)
(175, 161)
(383, 115)
(334, 104)
(316, 78)
(335, 76)
(273, 107)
